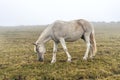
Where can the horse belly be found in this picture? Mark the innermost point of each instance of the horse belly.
(73, 37)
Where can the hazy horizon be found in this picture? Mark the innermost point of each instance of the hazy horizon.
(42, 12)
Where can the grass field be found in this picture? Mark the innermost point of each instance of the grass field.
(19, 62)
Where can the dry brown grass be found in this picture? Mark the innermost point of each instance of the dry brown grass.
(18, 60)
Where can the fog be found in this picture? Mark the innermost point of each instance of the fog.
(40, 12)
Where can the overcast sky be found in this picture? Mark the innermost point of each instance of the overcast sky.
(39, 12)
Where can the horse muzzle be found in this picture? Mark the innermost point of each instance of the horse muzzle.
(41, 59)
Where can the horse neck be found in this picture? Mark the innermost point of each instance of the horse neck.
(44, 37)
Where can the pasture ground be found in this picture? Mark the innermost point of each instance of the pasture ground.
(19, 62)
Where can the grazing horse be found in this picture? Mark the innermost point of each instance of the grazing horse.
(66, 31)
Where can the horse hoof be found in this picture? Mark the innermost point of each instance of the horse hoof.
(69, 60)
(91, 57)
(53, 62)
(85, 58)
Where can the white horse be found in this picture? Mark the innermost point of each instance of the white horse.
(61, 31)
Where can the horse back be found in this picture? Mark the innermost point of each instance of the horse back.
(69, 30)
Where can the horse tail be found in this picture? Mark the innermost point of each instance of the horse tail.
(93, 42)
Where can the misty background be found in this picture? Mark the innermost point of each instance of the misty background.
(41, 12)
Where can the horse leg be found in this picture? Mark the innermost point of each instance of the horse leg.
(54, 52)
(91, 51)
(87, 40)
(62, 41)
